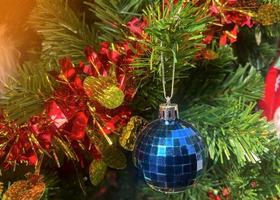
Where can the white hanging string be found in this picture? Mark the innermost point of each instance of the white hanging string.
(167, 98)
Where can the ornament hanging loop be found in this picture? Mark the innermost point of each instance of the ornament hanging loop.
(168, 98)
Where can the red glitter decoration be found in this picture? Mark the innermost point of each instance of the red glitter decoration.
(68, 113)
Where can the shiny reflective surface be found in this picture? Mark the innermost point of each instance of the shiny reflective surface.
(171, 155)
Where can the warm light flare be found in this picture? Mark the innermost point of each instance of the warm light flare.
(9, 57)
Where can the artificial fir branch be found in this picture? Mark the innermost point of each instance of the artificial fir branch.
(274, 2)
(233, 97)
(113, 16)
(259, 55)
(56, 21)
(26, 95)
(218, 96)
(227, 138)
(176, 33)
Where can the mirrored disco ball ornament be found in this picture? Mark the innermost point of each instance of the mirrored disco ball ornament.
(170, 152)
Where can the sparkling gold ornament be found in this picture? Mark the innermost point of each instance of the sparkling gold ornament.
(97, 171)
(31, 189)
(268, 14)
(128, 135)
(104, 91)
(114, 157)
(1, 188)
(252, 5)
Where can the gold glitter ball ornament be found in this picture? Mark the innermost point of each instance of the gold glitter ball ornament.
(128, 136)
(114, 157)
(104, 90)
(97, 171)
(268, 14)
(252, 5)
(31, 189)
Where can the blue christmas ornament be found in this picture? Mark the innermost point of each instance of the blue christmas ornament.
(170, 152)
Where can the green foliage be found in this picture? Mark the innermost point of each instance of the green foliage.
(276, 2)
(219, 96)
(254, 180)
(227, 138)
(274, 29)
(259, 55)
(233, 98)
(197, 191)
(113, 16)
(51, 181)
(148, 96)
(55, 21)
(221, 78)
(177, 33)
(268, 170)
(25, 95)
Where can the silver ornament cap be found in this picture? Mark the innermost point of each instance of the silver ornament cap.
(168, 111)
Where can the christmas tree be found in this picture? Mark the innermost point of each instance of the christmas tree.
(90, 78)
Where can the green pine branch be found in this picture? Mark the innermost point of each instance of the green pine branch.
(275, 2)
(175, 32)
(271, 31)
(225, 131)
(259, 55)
(259, 180)
(212, 80)
(52, 188)
(113, 17)
(226, 116)
(64, 34)
(268, 171)
(26, 94)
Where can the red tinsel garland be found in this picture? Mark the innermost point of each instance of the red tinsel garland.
(229, 17)
(67, 114)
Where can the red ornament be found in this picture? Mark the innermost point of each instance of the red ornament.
(271, 100)
(270, 104)
(67, 68)
(79, 125)
(228, 16)
(254, 184)
(226, 192)
(212, 196)
(137, 26)
(228, 20)
(56, 115)
(229, 36)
